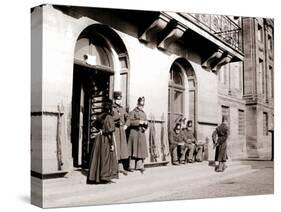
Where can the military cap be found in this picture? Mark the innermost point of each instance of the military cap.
(141, 101)
(117, 95)
(177, 126)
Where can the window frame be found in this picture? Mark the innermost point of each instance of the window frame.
(174, 87)
(265, 123)
(241, 122)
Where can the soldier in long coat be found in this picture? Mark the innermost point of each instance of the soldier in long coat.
(120, 117)
(177, 141)
(103, 162)
(219, 137)
(137, 144)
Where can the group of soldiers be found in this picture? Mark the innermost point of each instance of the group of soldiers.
(112, 150)
(184, 147)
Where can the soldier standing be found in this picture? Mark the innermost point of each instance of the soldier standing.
(120, 117)
(176, 140)
(137, 141)
(221, 133)
(103, 163)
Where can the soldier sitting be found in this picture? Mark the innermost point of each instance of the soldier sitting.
(195, 148)
(176, 141)
(190, 141)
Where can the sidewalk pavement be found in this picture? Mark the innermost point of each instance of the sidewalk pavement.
(189, 181)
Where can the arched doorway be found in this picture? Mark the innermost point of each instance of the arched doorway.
(182, 93)
(100, 66)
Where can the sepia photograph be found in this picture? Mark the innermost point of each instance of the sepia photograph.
(132, 106)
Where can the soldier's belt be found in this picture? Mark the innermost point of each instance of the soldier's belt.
(135, 127)
(118, 125)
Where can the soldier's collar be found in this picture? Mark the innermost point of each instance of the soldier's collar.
(116, 105)
(138, 109)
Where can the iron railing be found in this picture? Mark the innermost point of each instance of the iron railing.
(221, 26)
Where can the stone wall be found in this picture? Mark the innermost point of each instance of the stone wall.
(258, 85)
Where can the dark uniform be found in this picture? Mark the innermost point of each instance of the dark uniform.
(176, 140)
(190, 143)
(221, 132)
(137, 145)
(103, 162)
(120, 116)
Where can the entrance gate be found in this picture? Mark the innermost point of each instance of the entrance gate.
(91, 88)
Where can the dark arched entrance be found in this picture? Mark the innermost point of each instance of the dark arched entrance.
(100, 63)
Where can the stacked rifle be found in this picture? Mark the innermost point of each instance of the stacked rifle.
(59, 137)
(152, 145)
(153, 149)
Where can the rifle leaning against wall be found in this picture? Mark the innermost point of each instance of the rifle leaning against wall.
(152, 146)
(163, 143)
(59, 134)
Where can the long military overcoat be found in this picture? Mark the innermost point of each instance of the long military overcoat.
(103, 162)
(120, 116)
(221, 148)
(137, 144)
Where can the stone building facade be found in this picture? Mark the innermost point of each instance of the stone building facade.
(246, 92)
(258, 85)
(184, 65)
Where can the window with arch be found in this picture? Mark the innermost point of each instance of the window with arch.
(97, 48)
(176, 93)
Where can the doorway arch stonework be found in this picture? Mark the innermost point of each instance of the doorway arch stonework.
(100, 60)
(182, 93)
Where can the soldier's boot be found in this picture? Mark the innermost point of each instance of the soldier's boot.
(224, 166)
(140, 165)
(132, 165)
(175, 156)
(220, 168)
(121, 168)
(199, 154)
(191, 148)
(183, 154)
(182, 162)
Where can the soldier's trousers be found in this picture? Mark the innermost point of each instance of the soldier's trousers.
(199, 153)
(190, 149)
(121, 165)
(174, 151)
(136, 163)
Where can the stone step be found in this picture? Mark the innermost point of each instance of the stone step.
(135, 187)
